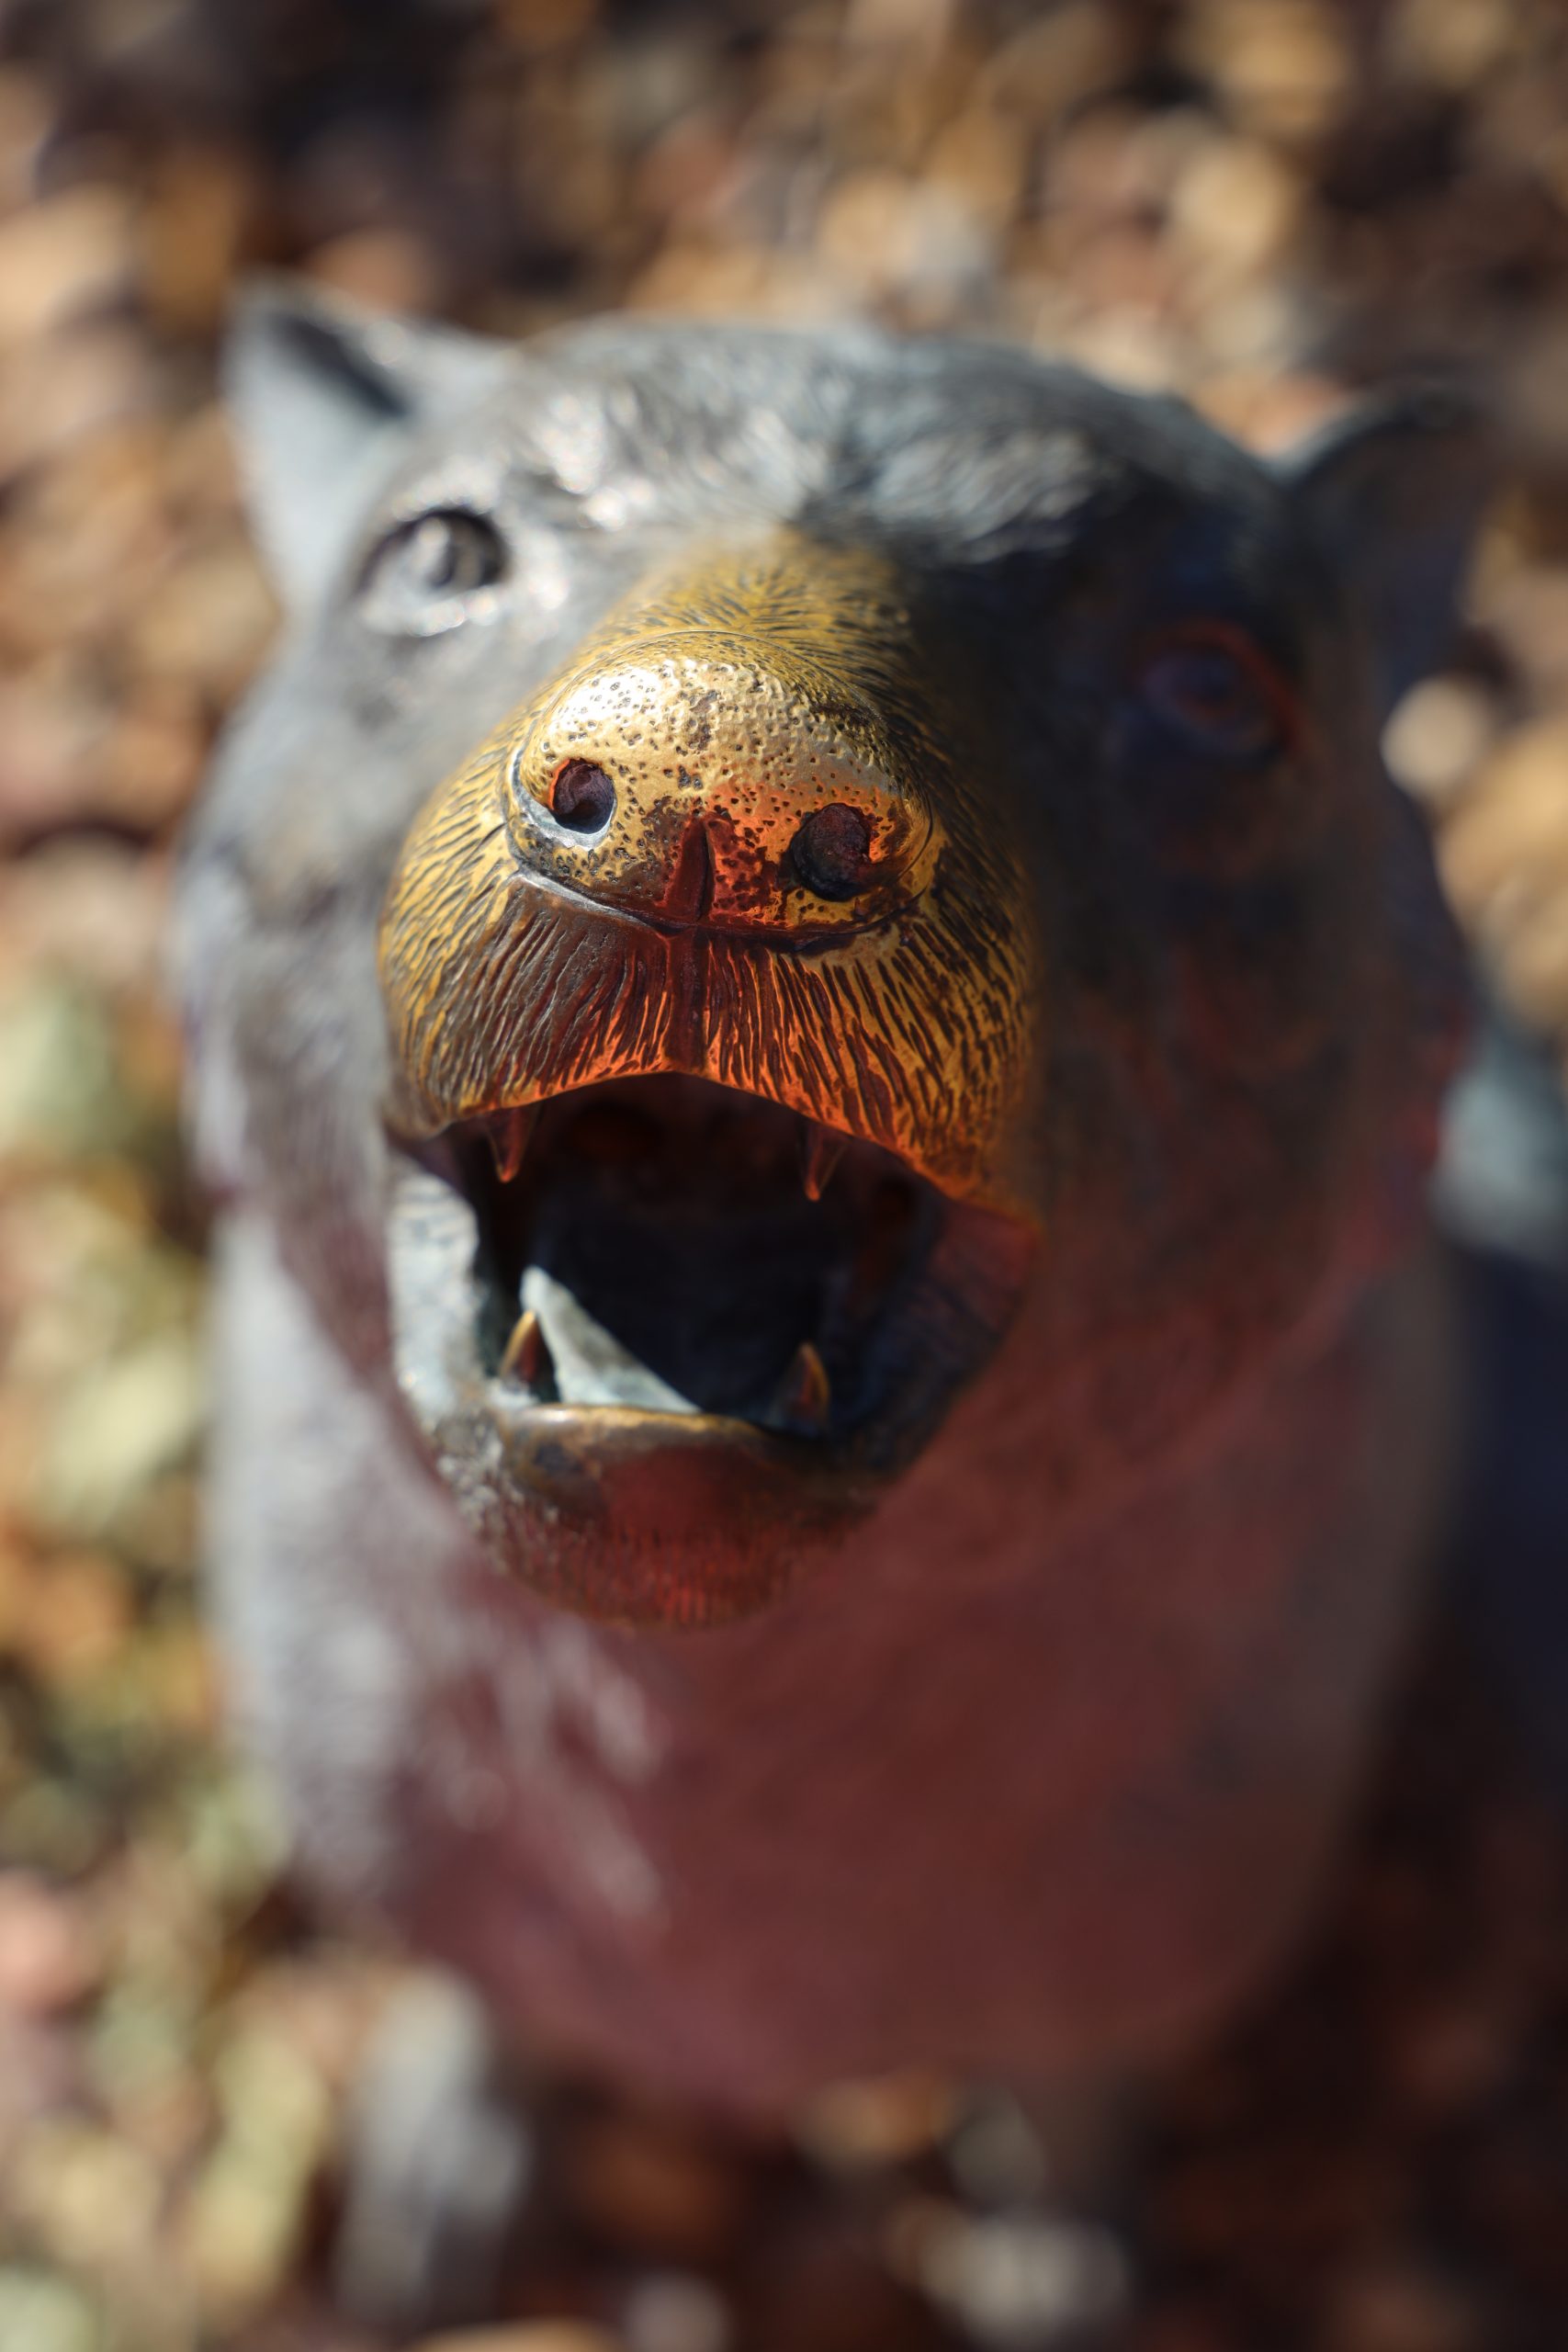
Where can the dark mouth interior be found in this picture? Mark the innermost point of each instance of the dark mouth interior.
(676, 1217)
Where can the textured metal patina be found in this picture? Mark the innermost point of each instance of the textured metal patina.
(981, 762)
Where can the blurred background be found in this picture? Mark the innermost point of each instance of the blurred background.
(1265, 204)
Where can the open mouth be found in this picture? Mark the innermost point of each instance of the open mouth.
(666, 1246)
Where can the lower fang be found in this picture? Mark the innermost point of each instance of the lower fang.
(527, 1355)
(587, 1364)
(806, 1392)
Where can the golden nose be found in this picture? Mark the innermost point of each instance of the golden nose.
(720, 783)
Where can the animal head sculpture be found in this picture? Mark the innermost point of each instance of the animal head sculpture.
(782, 881)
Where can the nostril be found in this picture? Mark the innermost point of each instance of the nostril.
(582, 798)
(830, 851)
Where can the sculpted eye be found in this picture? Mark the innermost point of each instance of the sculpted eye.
(1215, 689)
(416, 580)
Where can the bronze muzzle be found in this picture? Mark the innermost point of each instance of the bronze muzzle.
(731, 839)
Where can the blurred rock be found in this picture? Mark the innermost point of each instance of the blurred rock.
(1285, 66)
(58, 1087)
(530, 2335)
(44, 743)
(1015, 2281)
(246, 2207)
(71, 1626)
(387, 269)
(1059, 60)
(53, 393)
(72, 253)
(1234, 209)
(652, 2183)
(48, 1958)
(817, 2279)
(1403, 2307)
(191, 234)
(675, 2313)
(1452, 43)
(46, 2313)
(207, 624)
(90, 2198)
(118, 1427)
(1437, 737)
(856, 2126)
(997, 2154)
(1512, 832)
(92, 909)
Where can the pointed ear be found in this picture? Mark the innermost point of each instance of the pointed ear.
(325, 398)
(1394, 494)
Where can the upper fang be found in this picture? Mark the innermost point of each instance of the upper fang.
(806, 1396)
(509, 1134)
(821, 1152)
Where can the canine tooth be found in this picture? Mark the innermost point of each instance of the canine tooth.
(821, 1152)
(509, 1134)
(526, 1354)
(589, 1365)
(805, 1392)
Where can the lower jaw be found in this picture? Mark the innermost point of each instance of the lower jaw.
(649, 1519)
